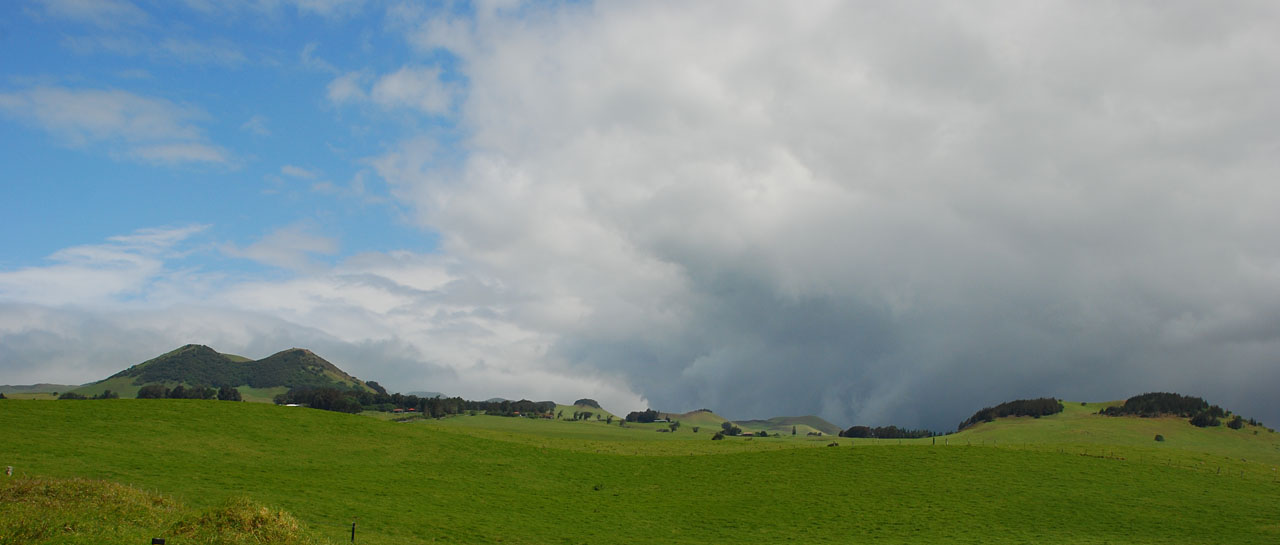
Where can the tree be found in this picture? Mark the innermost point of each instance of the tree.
(372, 384)
(71, 395)
(609, 421)
(1205, 419)
(674, 426)
(1236, 423)
(793, 430)
(729, 429)
(695, 429)
(153, 391)
(2, 396)
(227, 393)
(763, 433)
(107, 394)
(717, 437)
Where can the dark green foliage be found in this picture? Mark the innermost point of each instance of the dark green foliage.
(71, 395)
(885, 432)
(377, 388)
(793, 430)
(588, 403)
(728, 428)
(1159, 403)
(107, 394)
(1159, 438)
(328, 399)
(1236, 423)
(227, 393)
(2, 396)
(717, 437)
(648, 415)
(1038, 407)
(1205, 419)
(153, 391)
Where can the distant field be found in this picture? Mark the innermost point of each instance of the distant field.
(490, 479)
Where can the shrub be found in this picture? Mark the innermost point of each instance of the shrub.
(717, 437)
(1204, 420)
(1236, 423)
(71, 395)
(1159, 438)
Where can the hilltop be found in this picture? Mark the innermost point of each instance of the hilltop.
(257, 380)
(783, 424)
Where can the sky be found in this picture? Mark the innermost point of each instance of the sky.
(879, 213)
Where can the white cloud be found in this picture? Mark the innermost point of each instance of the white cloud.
(813, 206)
(299, 172)
(102, 13)
(288, 248)
(146, 128)
(256, 125)
(347, 88)
(415, 87)
(125, 266)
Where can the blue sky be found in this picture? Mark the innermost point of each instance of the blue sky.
(892, 213)
(249, 85)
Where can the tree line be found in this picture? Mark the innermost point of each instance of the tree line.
(886, 432)
(1153, 404)
(1035, 408)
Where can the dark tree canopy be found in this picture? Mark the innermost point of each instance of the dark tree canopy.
(648, 415)
(1038, 407)
(587, 402)
(1159, 404)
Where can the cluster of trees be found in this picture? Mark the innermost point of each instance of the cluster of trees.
(324, 398)
(1036, 408)
(728, 428)
(1148, 405)
(885, 432)
(587, 402)
(1159, 404)
(160, 391)
(642, 417)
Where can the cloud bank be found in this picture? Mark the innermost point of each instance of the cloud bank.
(881, 214)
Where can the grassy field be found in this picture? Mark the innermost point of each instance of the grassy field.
(488, 479)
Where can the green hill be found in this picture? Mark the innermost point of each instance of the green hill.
(425, 482)
(199, 365)
(35, 388)
(783, 424)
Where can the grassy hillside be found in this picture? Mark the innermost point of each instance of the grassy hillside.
(81, 511)
(35, 388)
(783, 425)
(436, 481)
(199, 365)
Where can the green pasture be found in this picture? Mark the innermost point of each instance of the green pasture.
(483, 480)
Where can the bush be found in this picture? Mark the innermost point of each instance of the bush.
(71, 395)
(717, 437)
(1205, 420)
(1236, 423)
(153, 391)
(1159, 438)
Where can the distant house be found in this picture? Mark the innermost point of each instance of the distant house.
(662, 420)
(292, 405)
(397, 410)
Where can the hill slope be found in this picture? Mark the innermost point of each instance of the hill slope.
(783, 425)
(199, 365)
(475, 490)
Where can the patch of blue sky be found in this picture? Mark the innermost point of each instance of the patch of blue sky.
(250, 88)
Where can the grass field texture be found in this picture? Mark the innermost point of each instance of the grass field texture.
(457, 481)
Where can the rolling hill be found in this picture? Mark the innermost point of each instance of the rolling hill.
(486, 489)
(783, 424)
(257, 380)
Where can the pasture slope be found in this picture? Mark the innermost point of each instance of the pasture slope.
(486, 479)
